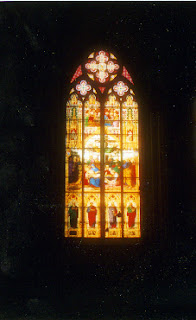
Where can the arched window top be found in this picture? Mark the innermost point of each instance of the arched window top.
(102, 67)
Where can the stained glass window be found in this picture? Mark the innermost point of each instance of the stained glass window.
(102, 197)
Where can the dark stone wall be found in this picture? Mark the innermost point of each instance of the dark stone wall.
(41, 46)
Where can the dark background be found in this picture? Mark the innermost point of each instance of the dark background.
(43, 274)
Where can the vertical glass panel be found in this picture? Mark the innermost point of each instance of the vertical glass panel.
(113, 215)
(130, 134)
(112, 165)
(112, 115)
(112, 142)
(92, 223)
(74, 134)
(112, 175)
(112, 156)
(112, 102)
(74, 108)
(112, 120)
(130, 170)
(73, 215)
(131, 184)
(130, 109)
(92, 141)
(73, 170)
(131, 213)
(92, 112)
(92, 173)
(74, 122)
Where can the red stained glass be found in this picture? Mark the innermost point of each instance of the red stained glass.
(102, 89)
(126, 74)
(77, 74)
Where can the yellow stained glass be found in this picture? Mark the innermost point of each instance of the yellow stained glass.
(91, 76)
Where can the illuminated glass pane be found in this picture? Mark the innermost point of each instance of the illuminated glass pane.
(102, 152)
(92, 177)
(102, 65)
(112, 141)
(112, 127)
(92, 174)
(129, 127)
(113, 215)
(74, 108)
(92, 141)
(74, 134)
(73, 215)
(112, 156)
(73, 170)
(92, 223)
(92, 115)
(130, 184)
(112, 101)
(111, 113)
(92, 155)
(131, 155)
(120, 88)
(112, 172)
(130, 170)
(131, 217)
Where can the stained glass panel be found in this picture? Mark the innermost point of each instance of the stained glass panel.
(73, 165)
(92, 176)
(73, 215)
(113, 215)
(92, 223)
(131, 219)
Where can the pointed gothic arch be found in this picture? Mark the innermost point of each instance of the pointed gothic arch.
(102, 197)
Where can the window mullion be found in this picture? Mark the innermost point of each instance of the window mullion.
(121, 172)
(83, 170)
(102, 165)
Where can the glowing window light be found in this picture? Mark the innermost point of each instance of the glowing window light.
(102, 67)
(83, 87)
(121, 88)
(102, 197)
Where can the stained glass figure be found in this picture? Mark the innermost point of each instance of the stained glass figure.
(73, 213)
(92, 212)
(92, 224)
(131, 213)
(102, 197)
(113, 216)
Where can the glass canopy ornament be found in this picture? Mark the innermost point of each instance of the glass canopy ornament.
(102, 197)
